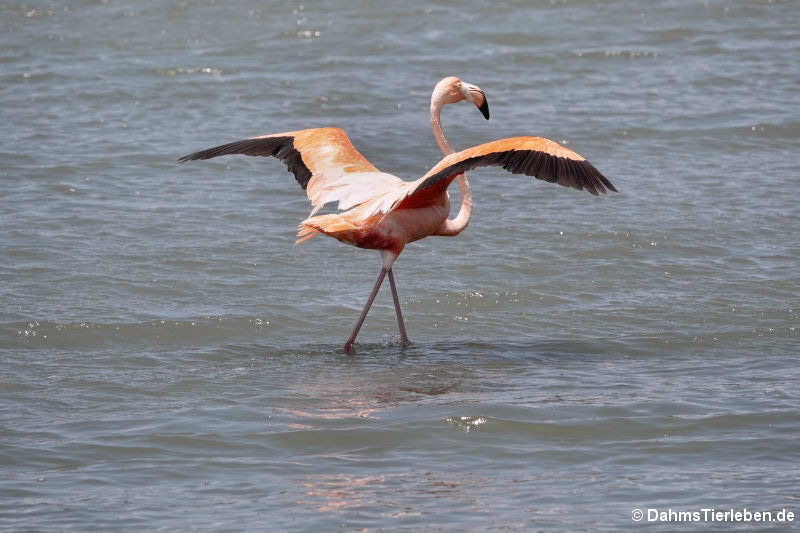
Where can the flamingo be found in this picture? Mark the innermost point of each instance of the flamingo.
(379, 211)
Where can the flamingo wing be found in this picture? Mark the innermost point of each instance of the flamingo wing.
(535, 156)
(323, 160)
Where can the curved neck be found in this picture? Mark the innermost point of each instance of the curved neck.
(454, 226)
(436, 124)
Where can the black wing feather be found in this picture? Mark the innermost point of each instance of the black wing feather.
(541, 165)
(280, 147)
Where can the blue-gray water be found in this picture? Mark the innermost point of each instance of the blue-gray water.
(170, 360)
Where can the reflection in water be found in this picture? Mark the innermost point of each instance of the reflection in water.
(366, 394)
(330, 413)
(335, 492)
(399, 495)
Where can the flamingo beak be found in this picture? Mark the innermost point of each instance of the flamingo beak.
(484, 107)
(476, 95)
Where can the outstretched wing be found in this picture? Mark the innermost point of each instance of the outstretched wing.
(323, 160)
(535, 156)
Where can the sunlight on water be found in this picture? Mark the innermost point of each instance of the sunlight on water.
(467, 423)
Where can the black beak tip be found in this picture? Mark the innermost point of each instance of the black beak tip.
(484, 108)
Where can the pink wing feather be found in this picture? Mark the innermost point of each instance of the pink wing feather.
(324, 162)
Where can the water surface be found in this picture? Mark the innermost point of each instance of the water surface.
(169, 360)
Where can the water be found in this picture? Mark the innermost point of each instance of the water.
(169, 360)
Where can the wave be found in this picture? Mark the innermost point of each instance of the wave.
(159, 332)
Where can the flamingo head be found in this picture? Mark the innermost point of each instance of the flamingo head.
(452, 90)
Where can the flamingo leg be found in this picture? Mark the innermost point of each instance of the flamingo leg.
(403, 337)
(348, 346)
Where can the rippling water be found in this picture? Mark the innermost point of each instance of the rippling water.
(170, 360)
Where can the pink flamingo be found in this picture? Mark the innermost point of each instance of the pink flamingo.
(382, 212)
